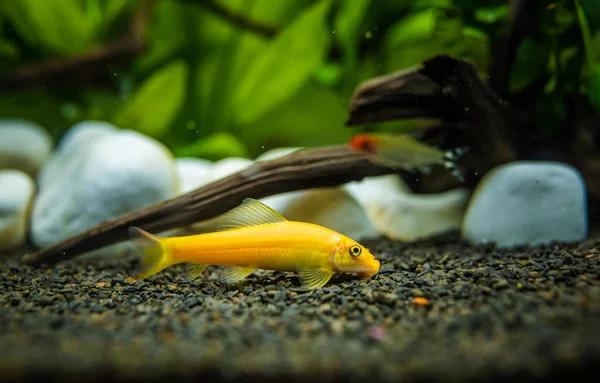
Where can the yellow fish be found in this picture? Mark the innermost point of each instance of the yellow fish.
(254, 236)
(402, 151)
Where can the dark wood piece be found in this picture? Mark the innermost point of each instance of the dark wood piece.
(304, 169)
(443, 84)
(469, 111)
(90, 67)
(86, 67)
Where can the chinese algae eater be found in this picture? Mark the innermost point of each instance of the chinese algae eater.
(403, 151)
(254, 236)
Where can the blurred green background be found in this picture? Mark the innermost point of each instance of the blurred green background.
(208, 86)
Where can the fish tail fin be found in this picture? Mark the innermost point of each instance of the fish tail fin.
(156, 255)
(450, 159)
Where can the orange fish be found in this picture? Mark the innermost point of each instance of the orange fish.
(254, 236)
(402, 151)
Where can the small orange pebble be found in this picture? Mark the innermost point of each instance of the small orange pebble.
(167, 336)
(589, 256)
(420, 301)
(100, 284)
(129, 280)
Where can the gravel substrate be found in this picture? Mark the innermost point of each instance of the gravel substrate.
(479, 315)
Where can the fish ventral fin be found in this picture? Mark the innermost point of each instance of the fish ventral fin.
(313, 277)
(235, 274)
(250, 212)
(155, 255)
(194, 271)
(450, 158)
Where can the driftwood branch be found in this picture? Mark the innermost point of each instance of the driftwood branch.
(304, 169)
(237, 19)
(403, 94)
(488, 121)
(84, 67)
(447, 89)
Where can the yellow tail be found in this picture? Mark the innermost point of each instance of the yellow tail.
(155, 254)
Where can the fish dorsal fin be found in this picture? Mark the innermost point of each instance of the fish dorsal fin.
(250, 212)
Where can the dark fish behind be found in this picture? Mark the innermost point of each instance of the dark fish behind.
(403, 151)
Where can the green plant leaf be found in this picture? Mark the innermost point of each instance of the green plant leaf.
(592, 11)
(45, 111)
(329, 74)
(491, 15)
(420, 5)
(214, 147)
(591, 40)
(413, 28)
(594, 87)
(283, 66)
(410, 41)
(476, 48)
(530, 62)
(114, 8)
(420, 36)
(169, 31)
(551, 111)
(60, 26)
(8, 50)
(152, 108)
(347, 27)
(313, 116)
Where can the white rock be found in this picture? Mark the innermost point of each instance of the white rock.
(528, 202)
(333, 208)
(24, 146)
(192, 173)
(410, 217)
(117, 173)
(16, 194)
(79, 138)
(402, 215)
(375, 190)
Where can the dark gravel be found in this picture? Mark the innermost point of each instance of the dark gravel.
(488, 316)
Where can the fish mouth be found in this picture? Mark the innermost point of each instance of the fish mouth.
(370, 271)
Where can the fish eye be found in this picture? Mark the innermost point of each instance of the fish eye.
(355, 251)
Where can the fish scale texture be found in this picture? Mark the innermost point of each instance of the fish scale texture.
(519, 315)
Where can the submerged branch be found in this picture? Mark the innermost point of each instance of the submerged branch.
(236, 19)
(450, 90)
(304, 169)
(403, 94)
(85, 66)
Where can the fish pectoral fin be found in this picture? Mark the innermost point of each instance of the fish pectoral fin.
(194, 271)
(237, 273)
(312, 277)
(250, 212)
